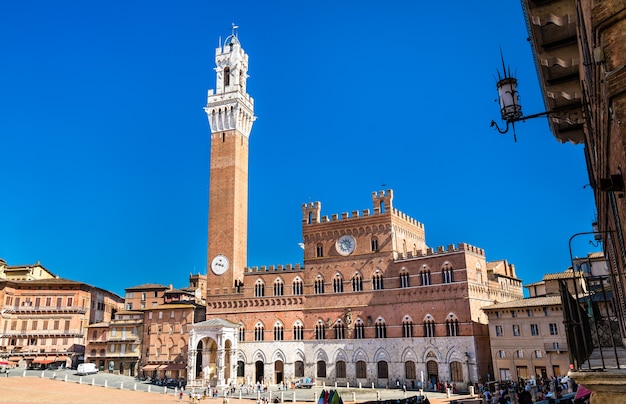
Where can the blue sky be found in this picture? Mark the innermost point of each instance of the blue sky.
(105, 145)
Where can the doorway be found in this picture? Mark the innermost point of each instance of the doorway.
(278, 372)
(259, 375)
(433, 372)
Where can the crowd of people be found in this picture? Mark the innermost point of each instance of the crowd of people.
(525, 391)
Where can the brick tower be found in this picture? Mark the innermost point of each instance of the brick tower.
(230, 111)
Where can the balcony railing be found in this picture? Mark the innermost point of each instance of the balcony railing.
(44, 309)
(555, 347)
(114, 355)
(42, 333)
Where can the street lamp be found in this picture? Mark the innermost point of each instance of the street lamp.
(510, 107)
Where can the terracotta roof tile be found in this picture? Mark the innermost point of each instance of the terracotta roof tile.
(528, 302)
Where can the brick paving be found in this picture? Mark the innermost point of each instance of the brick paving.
(31, 389)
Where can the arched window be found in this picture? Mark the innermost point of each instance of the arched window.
(259, 288)
(227, 76)
(409, 370)
(278, 332)
(425, 276)
(377, 280)
(404, 278)
(320, 330)
(452, 326)
(407, 327)
(297, 286)
(446, 273)
(258, 332)
(319, 285)
(320, 250)
(361, 370)
(383, 370)
(340, 329)
(501, 354)
(321, 369)
(242, 332)
(381, 328)
(298, 331)
(374, 244)
(357, 282)
(340, 370)
(520, 354)
(299, 368)
(338, 284)
(429, 326)
(279, 287)
(359, 329)
(241, 369)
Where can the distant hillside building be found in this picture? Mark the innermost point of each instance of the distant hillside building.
(372, 305)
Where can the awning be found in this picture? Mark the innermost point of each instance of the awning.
(4, 362)
(172, 366)
(15, 358)
(150, 367)
(39, 359)
(61, 358)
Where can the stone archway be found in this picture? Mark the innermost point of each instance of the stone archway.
(197, 372)
(212, 353)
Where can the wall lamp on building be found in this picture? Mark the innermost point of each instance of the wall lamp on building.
(510, 107)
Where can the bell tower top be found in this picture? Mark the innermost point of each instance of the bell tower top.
(229, 106)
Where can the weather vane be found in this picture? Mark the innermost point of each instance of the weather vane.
(234, 29)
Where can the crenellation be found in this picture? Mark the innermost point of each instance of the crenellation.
(366, 212)
(334, 217)
(325, 219)
(344, 215)
(274, 268)
(355, 213)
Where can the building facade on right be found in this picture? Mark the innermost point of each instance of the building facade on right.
(579, 48)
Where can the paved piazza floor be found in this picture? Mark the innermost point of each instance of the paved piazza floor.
(51, 387)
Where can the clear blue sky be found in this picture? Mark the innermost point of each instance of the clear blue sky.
(105, 146)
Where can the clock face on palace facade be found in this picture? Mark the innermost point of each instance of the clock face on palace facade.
(345, 244)
(220, 264)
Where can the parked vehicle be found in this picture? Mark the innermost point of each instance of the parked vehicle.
(86, 369)
(304, 383)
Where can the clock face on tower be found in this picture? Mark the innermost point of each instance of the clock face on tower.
(220, 264)
(345, 244)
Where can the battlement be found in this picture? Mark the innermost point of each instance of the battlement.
(451, 248)
(311, 212)
(273, 268)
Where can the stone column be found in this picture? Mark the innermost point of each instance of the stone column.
(191, 365)
(220, 367)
